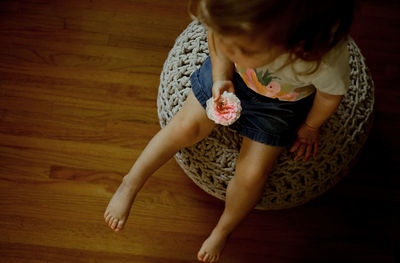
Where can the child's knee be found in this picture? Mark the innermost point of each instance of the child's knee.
(251, 176)
(185, 130)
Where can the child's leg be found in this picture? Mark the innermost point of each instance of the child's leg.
(244, 191)
(189, 125)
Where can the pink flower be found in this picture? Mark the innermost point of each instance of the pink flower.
(225, 111)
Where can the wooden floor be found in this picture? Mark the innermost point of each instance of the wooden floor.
(78, 88)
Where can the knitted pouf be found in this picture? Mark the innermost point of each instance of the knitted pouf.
(211, 162)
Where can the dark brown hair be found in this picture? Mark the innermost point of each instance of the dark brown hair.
(307, 29)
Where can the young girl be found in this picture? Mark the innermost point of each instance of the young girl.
(287, 62)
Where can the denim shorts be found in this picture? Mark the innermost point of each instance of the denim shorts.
(263, 119)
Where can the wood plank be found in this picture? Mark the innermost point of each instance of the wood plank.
(45, 51)
(55, 89)
(57, 152)
(135, 79)
(148, 6)
(86, 236)
(118, 28)
(14, 252)
(63, 36)
(32, 23)
(63, 9)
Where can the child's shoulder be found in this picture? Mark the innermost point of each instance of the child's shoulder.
(338, 55)
(334, 72)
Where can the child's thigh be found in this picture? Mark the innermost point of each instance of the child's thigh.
(193, 117)
(256, 159)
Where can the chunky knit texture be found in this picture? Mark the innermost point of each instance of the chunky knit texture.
(211, 162)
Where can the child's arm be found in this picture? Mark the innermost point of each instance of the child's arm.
(222, 67)
(323, 107)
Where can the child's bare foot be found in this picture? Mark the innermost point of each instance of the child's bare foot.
(118, 209)
(212, 248)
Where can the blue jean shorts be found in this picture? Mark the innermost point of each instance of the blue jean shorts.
(266, 120)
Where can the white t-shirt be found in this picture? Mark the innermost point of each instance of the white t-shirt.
(332, 76)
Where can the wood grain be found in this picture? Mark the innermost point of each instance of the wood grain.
(78, 88)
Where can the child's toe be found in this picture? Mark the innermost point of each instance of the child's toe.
(120, 225)
(200, 256)
(108, 219)
(114, 223)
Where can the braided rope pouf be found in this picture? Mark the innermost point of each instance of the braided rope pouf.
(211, 162)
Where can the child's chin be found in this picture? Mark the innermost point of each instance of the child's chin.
(250, 64)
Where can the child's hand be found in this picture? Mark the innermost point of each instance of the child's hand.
(306, 142)
(220, 86)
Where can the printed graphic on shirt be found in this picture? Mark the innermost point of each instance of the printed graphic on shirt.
(265, 83)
